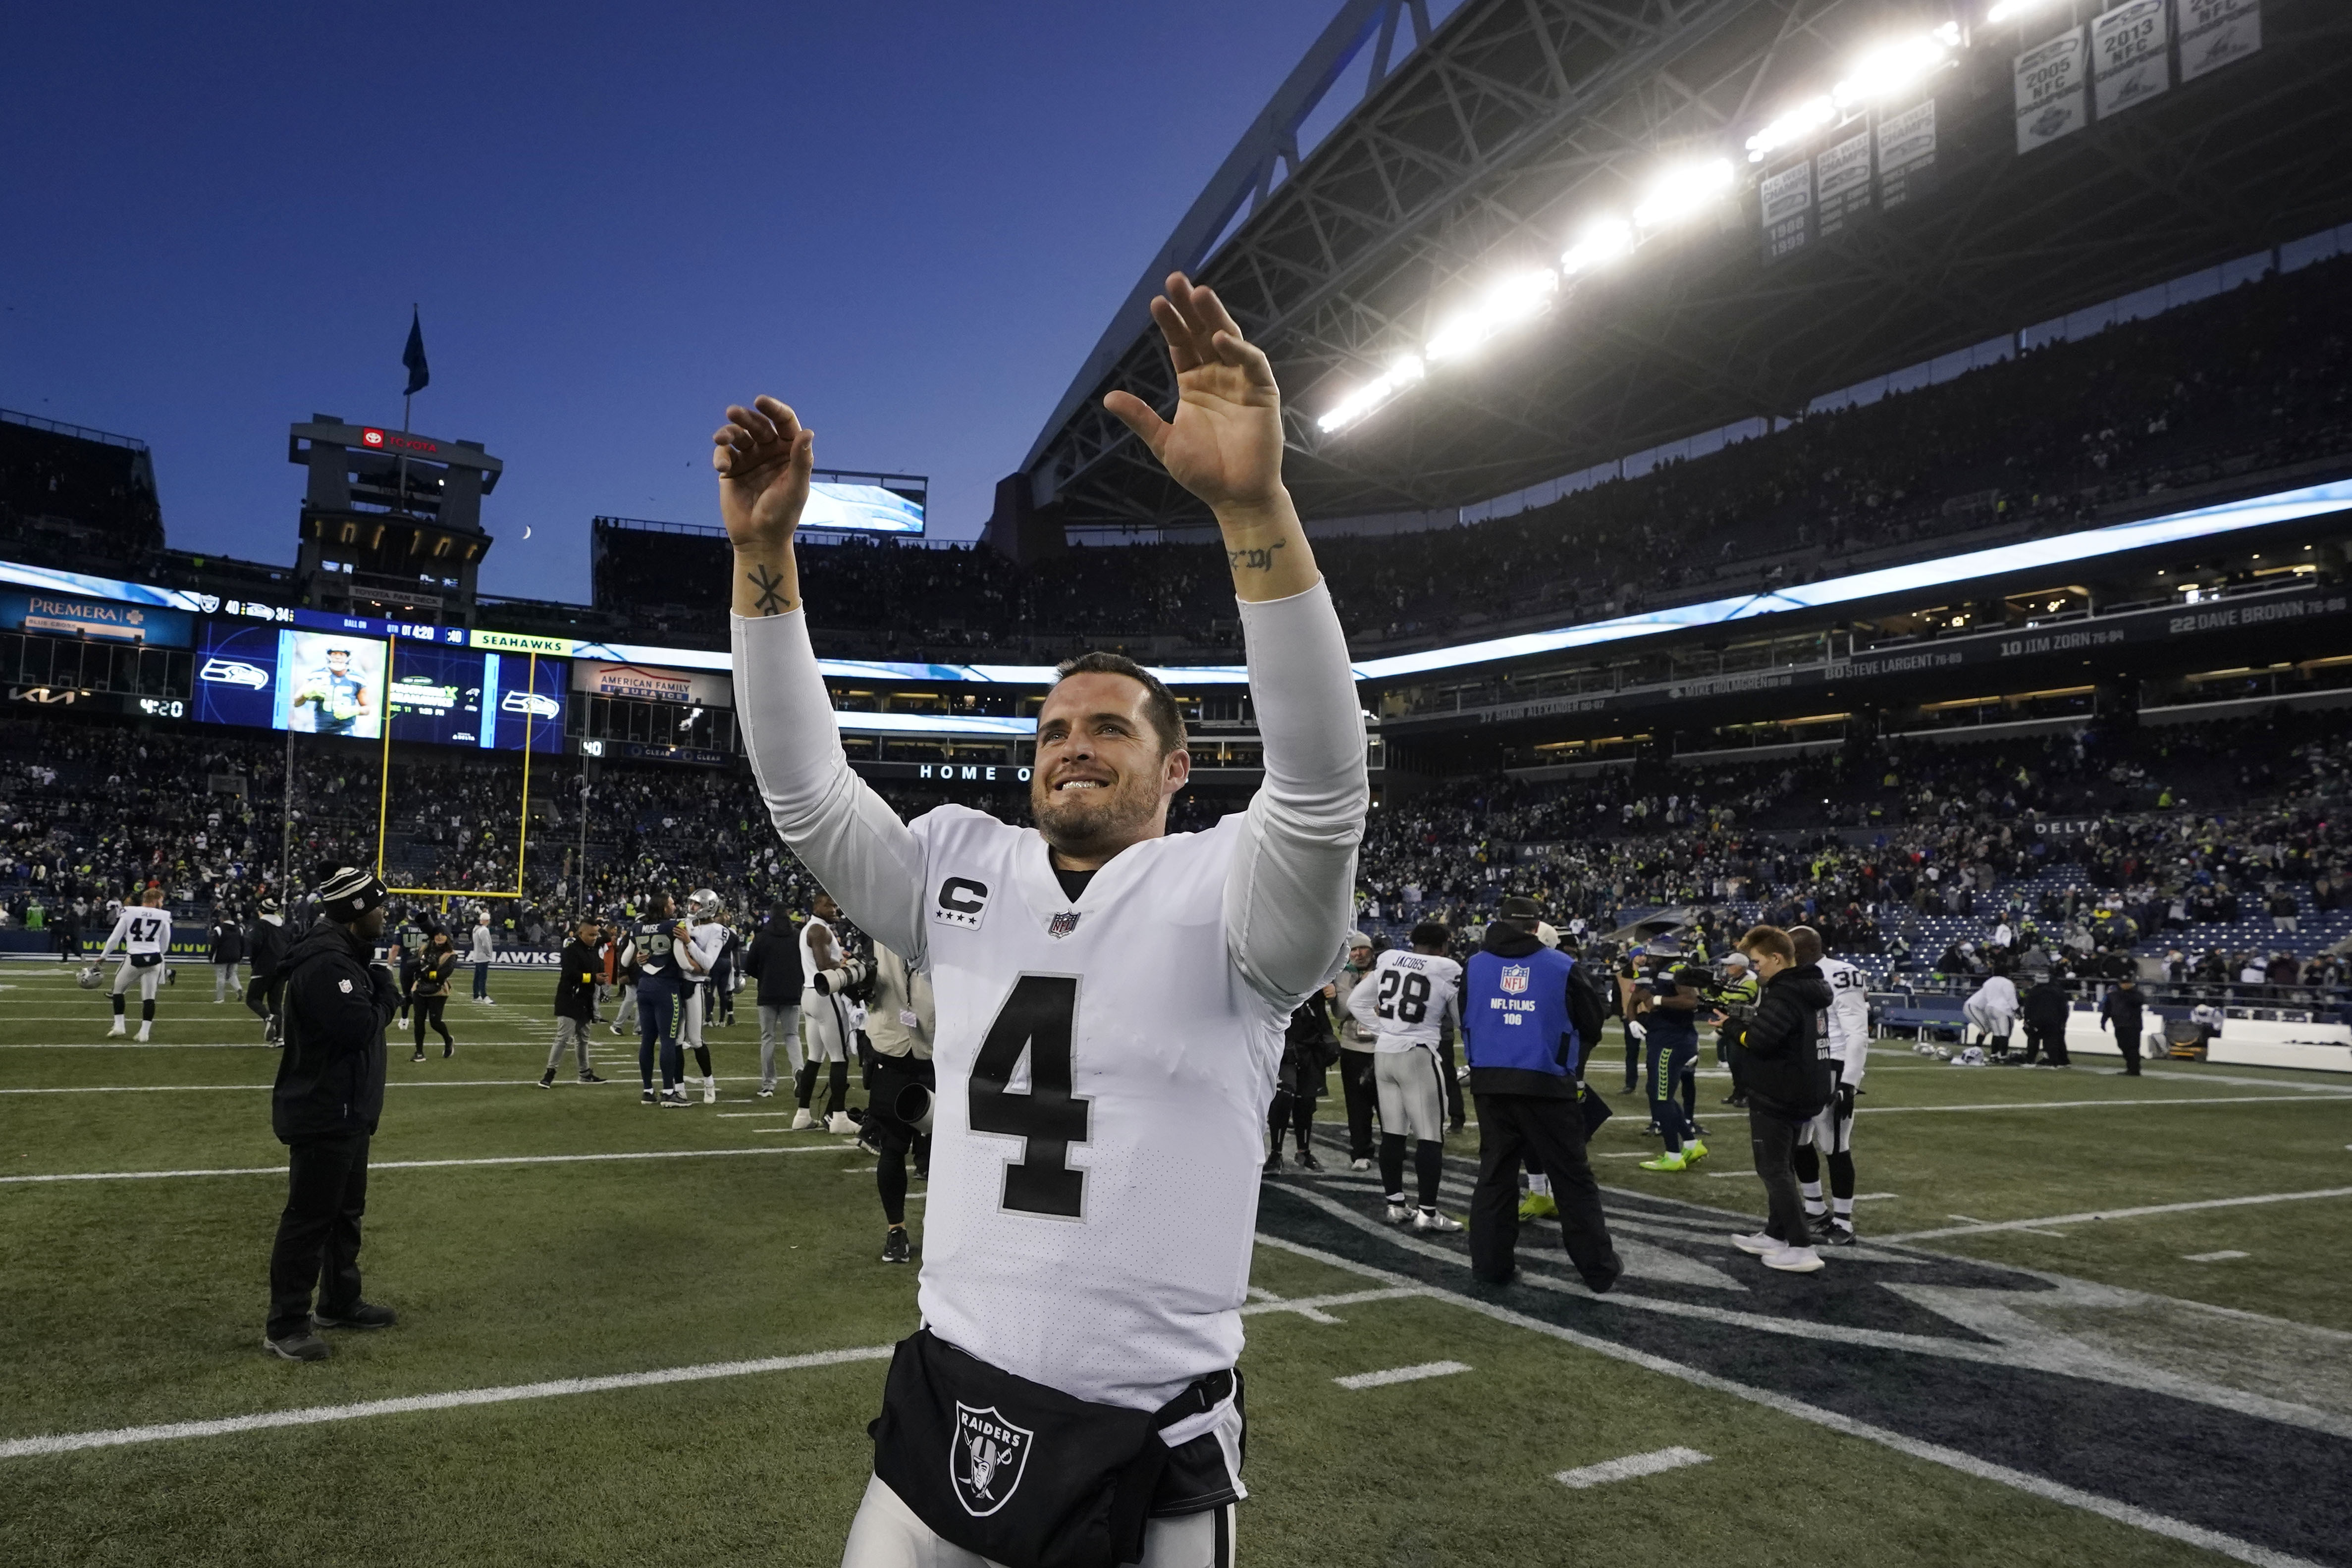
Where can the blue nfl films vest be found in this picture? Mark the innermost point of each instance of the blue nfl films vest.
(1514, 1013)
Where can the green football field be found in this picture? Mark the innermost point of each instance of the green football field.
(640, 1336)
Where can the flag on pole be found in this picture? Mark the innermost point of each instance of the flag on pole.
(414, 356)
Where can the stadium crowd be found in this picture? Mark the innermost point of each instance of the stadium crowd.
(2100, 846)
(2044, 442)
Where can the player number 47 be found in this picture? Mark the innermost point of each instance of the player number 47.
(1037, 1015)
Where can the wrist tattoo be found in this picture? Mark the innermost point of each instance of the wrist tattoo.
(770, 600)
(1254, 560)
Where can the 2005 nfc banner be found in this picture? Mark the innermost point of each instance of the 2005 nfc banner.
(2052, 89)
(2130, 58)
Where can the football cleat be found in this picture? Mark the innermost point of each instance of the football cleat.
(117, 1030)
(675, 1100)
(1537, 1205)
(1693, 1152)
(1759, 1245)
(711, 1091)
(1833, 1235)
(803, 1121)
(145, 1029)
(547, 1079)
(589, 1078)
(894, 1247)
(1794, 1260)
(1667, 1162)
(768, 1094)
(841, 1125)
(1401, 1212)
(1430, 1220)
(1307, 1162)
(649, 1097)
(1360, 1164)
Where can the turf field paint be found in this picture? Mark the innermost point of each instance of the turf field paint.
(2106, 1104)
(1979, 1226)
(2211, 1257)
(1933, 1453)
(375, 1165)
(316, 1414)
(1401, 1374)
(1631, 1466)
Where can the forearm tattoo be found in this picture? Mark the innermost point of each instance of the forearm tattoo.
(1261, 560)
(770, 600)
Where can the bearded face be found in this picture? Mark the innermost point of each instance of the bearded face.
(1101, 781)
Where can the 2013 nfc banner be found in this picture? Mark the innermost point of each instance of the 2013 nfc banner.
(2131, 59)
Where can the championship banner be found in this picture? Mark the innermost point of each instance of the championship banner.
(1907, 153)
(2215, 32)
(2051, 91)
(1841, 182)
(2129, 55)
(1787, 208)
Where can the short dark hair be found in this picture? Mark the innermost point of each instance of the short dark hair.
(1763, 939)
(1807, 943)
(1431, 934)
(1158, 702)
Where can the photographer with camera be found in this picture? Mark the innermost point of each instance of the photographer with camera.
(901, 1024)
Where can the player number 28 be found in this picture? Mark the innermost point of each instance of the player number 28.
(1037, 1015)
(1412, 1005)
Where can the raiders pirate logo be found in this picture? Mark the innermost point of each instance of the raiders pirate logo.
(1515, 978)
(960, 901)
(986, 1458)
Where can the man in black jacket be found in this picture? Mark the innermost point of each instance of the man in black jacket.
(773, 959)
(1781, 1060)
(266, 944)
(2122, 1010)
(228, 949)
(2046, 1013)
(323, 1108)
(575, 1000)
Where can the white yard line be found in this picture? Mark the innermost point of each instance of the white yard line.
(2211, 1257)
(1933, 1453)
(315, 1415)
(1632, 1465)
(423, 1164)
(1401, 1374)
(1977, 1227)
(563, 1081)
(2101, 1104)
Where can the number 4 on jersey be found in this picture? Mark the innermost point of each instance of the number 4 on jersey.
(1037, 1015)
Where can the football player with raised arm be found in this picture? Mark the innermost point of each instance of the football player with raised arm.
(1830, 1134)
(1110, 1007)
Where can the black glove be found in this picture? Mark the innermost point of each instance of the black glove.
(1845, 1092)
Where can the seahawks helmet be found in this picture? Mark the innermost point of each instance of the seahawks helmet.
(87, 976)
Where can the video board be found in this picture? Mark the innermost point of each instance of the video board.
(316, 683)
(331, 683)
(466, 697)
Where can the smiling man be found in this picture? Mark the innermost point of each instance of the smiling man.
(1110, 1006)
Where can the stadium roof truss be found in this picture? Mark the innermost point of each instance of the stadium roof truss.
(1482, 150)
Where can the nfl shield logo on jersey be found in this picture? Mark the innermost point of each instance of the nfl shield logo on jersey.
(986, 1458)
(1515, 978)
(1062, 925)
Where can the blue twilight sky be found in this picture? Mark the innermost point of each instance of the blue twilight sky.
(910, 220)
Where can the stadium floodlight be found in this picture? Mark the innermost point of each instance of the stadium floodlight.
(2010, 10)
(1602, 241)
(1891, 68)
(1794, 126)
(1507, 301)
(1373, 394)
(1682, 192)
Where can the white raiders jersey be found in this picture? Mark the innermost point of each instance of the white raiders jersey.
(1103, 1070)
(809, 965)
(140, 932)
(1407, 997)
(1849, 1016)
(705, 942)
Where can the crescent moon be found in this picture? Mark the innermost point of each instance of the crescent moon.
(526, 532)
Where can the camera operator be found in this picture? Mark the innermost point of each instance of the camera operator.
(901, 1024)
(1780, 1059)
